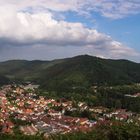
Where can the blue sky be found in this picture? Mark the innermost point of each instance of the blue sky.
(126, 30)
(44, 29)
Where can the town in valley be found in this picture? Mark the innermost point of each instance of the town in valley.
(21, 108)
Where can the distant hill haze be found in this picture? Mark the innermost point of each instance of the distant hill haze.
(81, 70)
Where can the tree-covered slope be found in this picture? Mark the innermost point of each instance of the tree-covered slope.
(4, 80)
(81, 70)
(87, 70)
(25, 70)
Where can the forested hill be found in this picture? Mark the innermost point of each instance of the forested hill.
(3, 80)
(81, 70)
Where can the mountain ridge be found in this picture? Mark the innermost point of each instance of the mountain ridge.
(82, 70)
(84, 55)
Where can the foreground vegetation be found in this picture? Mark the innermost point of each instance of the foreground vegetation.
(19, 137)
(106, 131)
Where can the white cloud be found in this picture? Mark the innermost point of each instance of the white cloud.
(18, 28)
(113, 9)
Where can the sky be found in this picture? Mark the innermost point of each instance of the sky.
(54, 29)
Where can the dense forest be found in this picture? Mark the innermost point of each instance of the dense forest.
(110, 97)
(79, 71)
(4, 80)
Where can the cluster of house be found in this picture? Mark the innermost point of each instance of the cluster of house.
(6, 125)
(133, 96)
(40, 116)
